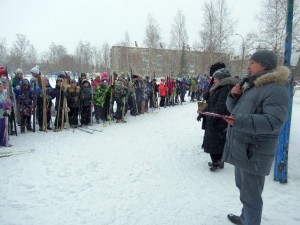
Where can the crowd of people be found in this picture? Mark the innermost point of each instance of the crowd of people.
(81, 102)
(253, 111)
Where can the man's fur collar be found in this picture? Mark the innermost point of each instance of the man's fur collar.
(279, 75)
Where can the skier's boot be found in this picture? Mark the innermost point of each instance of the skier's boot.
(22, 129)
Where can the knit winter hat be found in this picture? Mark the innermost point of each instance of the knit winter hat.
(265, 58)
(35, 70)
(97, 75)
(122, 74)
(59, 79)
(213, 68)
(19, 71)
(85, 81)
(221, 74)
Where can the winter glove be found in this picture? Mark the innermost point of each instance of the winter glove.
(6, 113)
(199, 117)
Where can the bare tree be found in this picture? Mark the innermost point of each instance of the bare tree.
(179, 35)
(54, 56)
(31, 56)
(84, 56)
(96, 58)
(217, 29)
(273, 25)
(105, 57)
(19, 51)
(207, 37)
(126, 41)
(68, 63)
(152, 38)
(3, 51)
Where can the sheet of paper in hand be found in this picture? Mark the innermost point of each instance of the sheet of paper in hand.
(216, 115)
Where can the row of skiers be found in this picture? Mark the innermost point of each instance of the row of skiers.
(130, 93)
(69, 96)
(138, 94)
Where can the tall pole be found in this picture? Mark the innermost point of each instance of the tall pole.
(243, 53)
(281, 159)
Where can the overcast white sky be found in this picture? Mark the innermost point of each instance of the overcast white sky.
(66, 22)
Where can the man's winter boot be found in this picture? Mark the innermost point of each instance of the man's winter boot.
(234, 219)
(218, 164)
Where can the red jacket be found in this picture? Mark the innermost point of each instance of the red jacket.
(96, 83)
(170, 85)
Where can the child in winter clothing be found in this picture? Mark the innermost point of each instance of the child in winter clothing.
(86, 100)
(4, 111)
(25, 101)
(58, 93)
(153, 93)
(148, 92)
(120, 94)
(96, 82)
(16, 85)
(193, 88)
(40, 104)
(162, 92)
(73, 94)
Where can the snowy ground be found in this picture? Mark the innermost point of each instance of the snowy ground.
(150, 171)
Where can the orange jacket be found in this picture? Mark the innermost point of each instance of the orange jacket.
(162, 89)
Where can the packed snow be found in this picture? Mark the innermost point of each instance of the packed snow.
(149, 171)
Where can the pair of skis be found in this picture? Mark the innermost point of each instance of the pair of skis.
(15, 152)
(89, 130)
(64, 111)
(45, 105)
(111, 100)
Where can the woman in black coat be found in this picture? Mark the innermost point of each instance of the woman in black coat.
(215, 132)
(213, 68)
